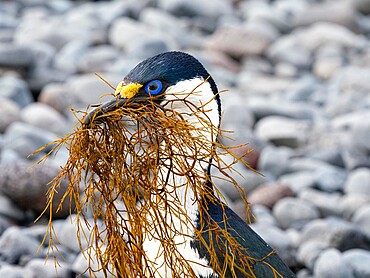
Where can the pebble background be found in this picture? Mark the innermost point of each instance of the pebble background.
(298, 75)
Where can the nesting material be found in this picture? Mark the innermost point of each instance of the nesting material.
(139, 169)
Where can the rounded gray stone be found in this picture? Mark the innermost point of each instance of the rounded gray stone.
(327, 203)
(335, 232)
(331, 264)
(274, 160)
(24, 139)
(234, 40)
(9, 113)
(352, 202)
(358, 181)
(283, 131)
(97, 58)
(292, 212)
(49, 269)
(55, 96)
(309, 251)
(362, 218)
(298, 180)
(27, 186)
(14, 244)
(358, 260)
(45, 117)
(16, 89)
(15, 271)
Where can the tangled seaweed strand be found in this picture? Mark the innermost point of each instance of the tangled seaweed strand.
(138, 170)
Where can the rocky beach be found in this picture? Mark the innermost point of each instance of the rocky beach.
(296, 76)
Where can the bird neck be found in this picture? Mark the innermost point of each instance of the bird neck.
(196, 103)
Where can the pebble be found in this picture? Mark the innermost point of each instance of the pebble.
(14, 271)
(269, 194)
(42, 268)
(331, 264)
(234, 39)
(342, 13)
(352, 202)
(27, 186)
(13, 55)
(328, 204)
(9, 113)
(45, 117)
(362, 218)
(358, 181)
(16, 89)
(24, 139)
(298, 180)
(337, 233)
(282, 131)
(274, 160)
(358, 260)
(54, 95)
(309, 251)
(291, 212)
(87, 89)
(14, 245)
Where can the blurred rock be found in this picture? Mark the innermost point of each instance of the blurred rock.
(269, 194)
(27, 187)
(54, 95)
(88, 89)
(352, 202)
(42, 268)
(263, 84)
(290, 212)
(262, 215)
(136, 33)
(327, 203)
(362, 6)
(295, 110)
(15, 89)
(10, 210)
(331, 264)
(330, 179)
(309, 251)
(336, 233)
(358, 260)
(96, 59)
(14, 244)
(192, 8)
(24, 139)
(274, 160)
(239, 41)
(68, 58)
(341, 13)
(362, 218)
(9, 113)
(13, 55)
(282, 131)
(358, 181)
(14, 271)
(298, 181)
(45, 117)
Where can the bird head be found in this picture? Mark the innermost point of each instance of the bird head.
(174, 80)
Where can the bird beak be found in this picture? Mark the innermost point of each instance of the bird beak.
(124, 94)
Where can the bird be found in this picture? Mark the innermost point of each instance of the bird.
(165, 79)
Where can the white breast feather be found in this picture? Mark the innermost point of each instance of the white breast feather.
(202, 95)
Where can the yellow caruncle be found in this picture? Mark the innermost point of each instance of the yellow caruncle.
(127, 91)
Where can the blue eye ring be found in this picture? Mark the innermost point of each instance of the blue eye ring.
(154, 87)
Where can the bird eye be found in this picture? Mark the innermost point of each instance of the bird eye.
(154, 87)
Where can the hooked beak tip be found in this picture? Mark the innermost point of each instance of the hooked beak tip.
(102, 109)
